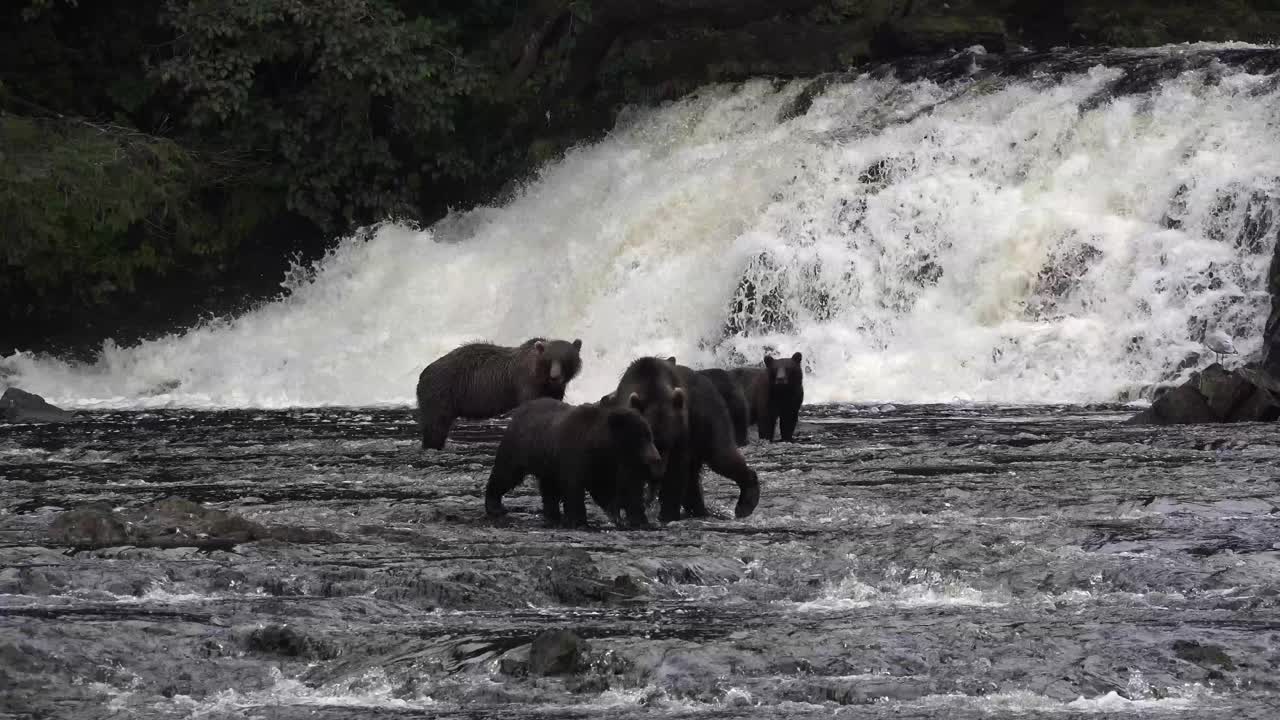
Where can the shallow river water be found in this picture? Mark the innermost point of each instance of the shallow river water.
(910, 561)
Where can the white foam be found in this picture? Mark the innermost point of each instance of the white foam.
(916, 588)
(1112, 702)
(371, 690)
(637, 245)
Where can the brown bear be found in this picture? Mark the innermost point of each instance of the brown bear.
(691, 428)
(573, 450)
(774, 394)
(734, 399)
(481, 380)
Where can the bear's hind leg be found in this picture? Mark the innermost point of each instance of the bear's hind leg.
(728, 462)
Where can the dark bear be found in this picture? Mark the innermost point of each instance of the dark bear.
(482, 381)
(734, 399)
(774, 394)
(573, 450)
(691, 428)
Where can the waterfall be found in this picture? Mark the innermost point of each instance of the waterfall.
(1061, 234)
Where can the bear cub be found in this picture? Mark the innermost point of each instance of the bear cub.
(481, 380)
(774, 394)
(572, 450)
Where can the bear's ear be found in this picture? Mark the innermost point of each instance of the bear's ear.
(539, 347)
(768, 361)
(796, 358)
(635, 403)
(577, 344)
(672, 359)
(677, 398)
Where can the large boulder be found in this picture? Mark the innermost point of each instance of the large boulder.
(1223, 390)
(557, 652)
(20, 406)
(1216, 395)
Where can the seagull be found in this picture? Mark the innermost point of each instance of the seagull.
(1220, 343)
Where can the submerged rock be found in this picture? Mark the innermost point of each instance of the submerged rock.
(1203, 654)
(93, 526)
(20, 406)
(169, 523)
(287, 641)
(557, 652)
(1216, 395)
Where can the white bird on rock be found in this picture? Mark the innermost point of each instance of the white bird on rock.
(1220, 343)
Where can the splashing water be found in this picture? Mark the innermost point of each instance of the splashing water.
(1033, 239)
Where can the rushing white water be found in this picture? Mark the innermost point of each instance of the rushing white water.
(988, 241)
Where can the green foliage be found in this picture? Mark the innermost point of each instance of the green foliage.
(355, 102)
(72, 192)
(89, 207)
(1155, 23)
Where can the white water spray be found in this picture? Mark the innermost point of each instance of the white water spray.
(991, 241)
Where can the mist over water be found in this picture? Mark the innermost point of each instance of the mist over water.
(1039, 239)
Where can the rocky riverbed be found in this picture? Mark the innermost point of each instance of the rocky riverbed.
(912, 561)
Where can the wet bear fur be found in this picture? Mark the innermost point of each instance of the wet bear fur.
(573, 450)
(734, 399)
(481, 380)
(774, 394)
(692, 428)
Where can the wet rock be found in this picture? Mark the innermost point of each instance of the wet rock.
(19, 406)
(287, 641)
(23, 581)
(89, 527)
(804, 100)
(1223, 390)
(1216, 395)
(183, 519)
(515, 662)
(572, 578)
(169, 523)
(1203, 654)
(627, 586)
(557, 652)
(928, 34)
(593, 685)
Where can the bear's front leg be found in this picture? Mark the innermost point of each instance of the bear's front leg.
(574, 475)
(788, 423)
(550, 501)
(768, 421)
(506, 474)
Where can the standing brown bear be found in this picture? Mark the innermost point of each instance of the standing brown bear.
(774, 394)
(691, 428)
(573, 451)
(481, 380)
